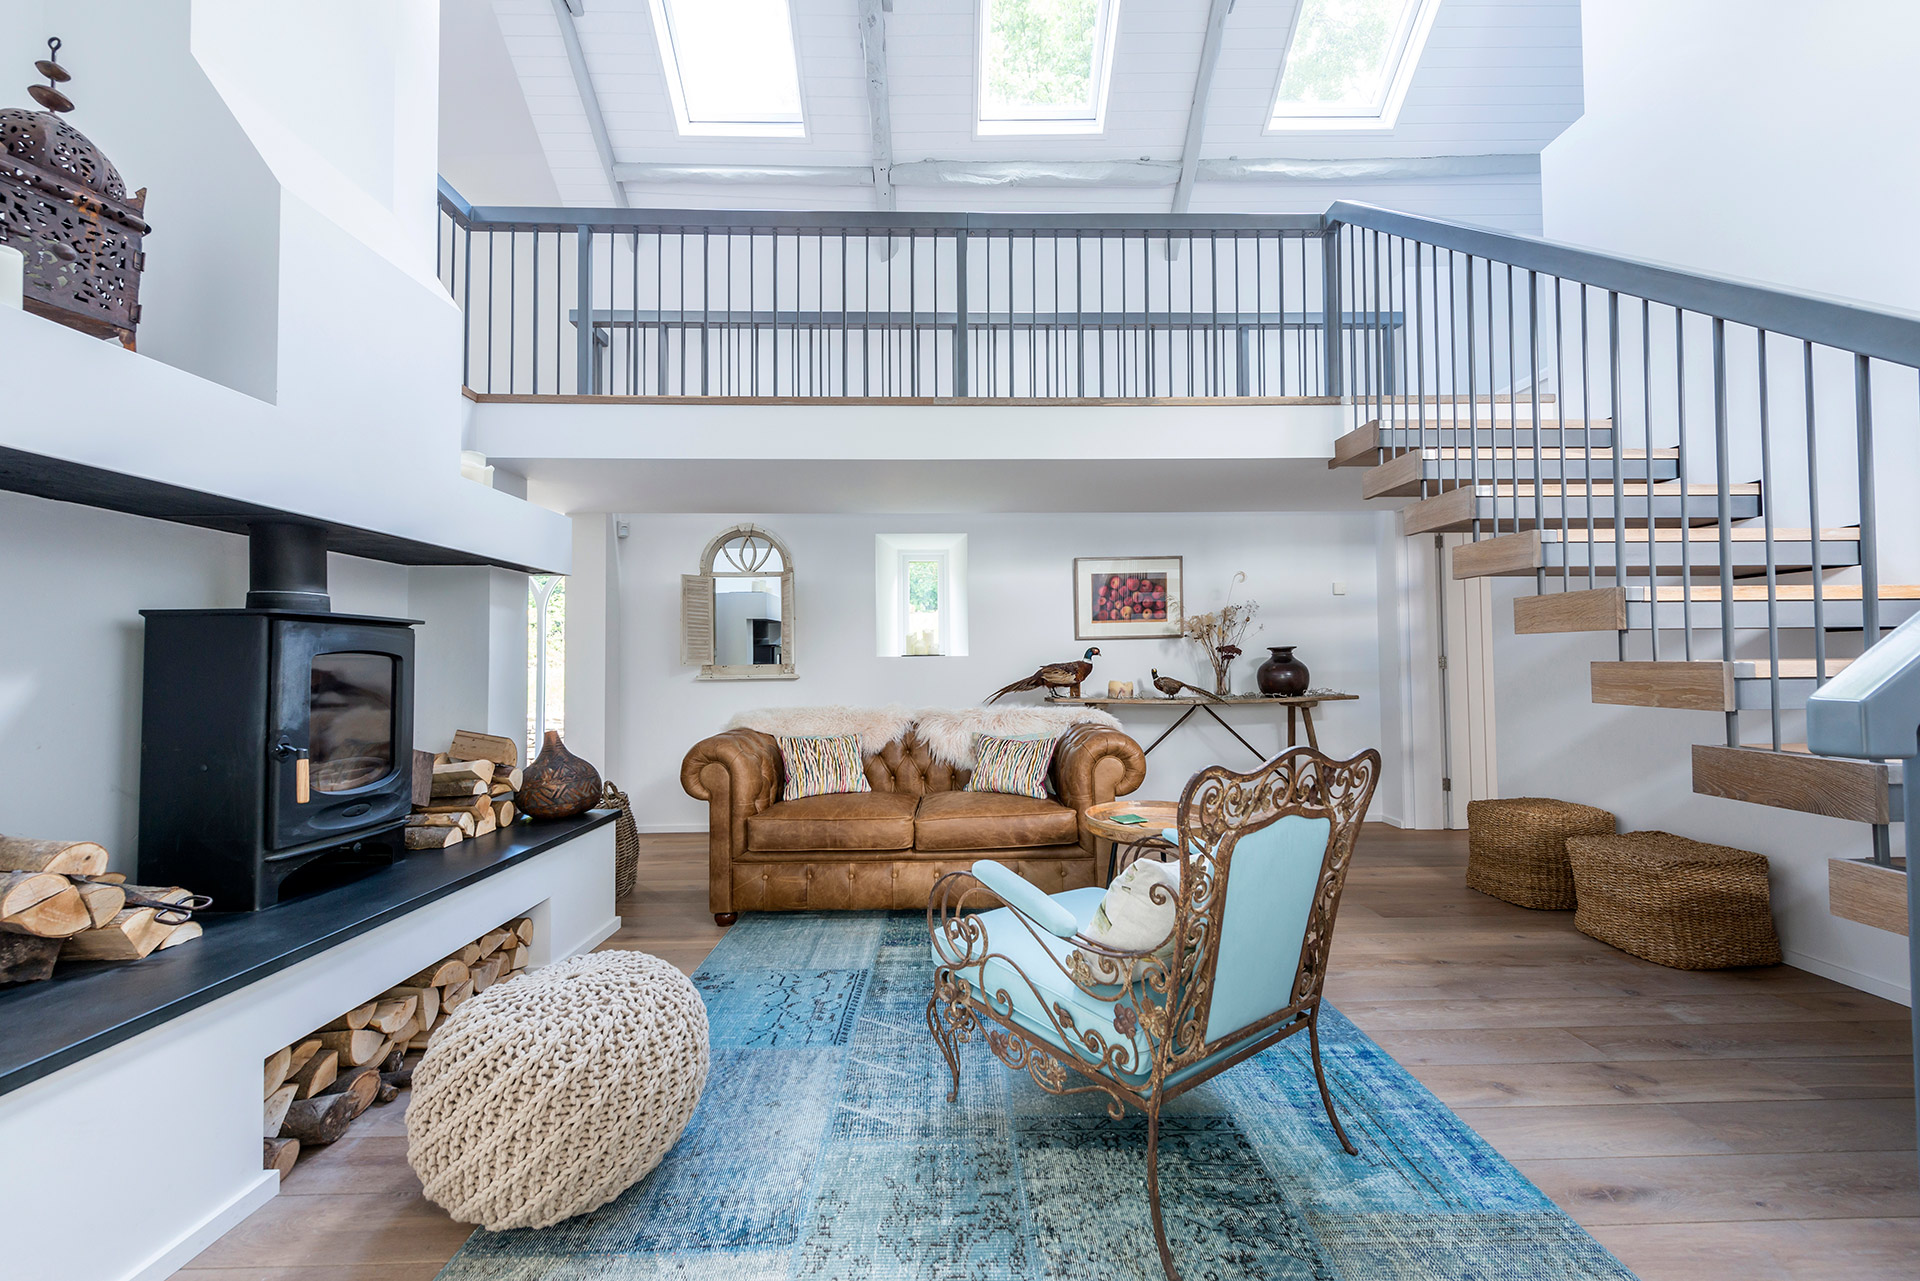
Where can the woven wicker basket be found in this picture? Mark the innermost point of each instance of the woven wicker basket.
(1673, 901)
(626, 840)
(1517, 848)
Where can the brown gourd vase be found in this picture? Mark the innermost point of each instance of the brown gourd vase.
(558, 784)
(1282, 675)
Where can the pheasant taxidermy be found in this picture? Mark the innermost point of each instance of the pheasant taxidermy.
(1054, 677)
(1174, 688)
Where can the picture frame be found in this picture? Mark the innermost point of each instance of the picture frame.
(1127, 597)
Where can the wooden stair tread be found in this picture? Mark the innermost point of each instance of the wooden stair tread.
(1691, 534)
(1546, 453)
(1760, 669)
(1781, 591)
(1602, 489)
(1831, 786)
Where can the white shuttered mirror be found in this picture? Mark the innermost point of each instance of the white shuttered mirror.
(737, 613)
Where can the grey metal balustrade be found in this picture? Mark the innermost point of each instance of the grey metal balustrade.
(888, 305)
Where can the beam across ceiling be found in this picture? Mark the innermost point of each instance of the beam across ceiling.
(563, 13)
(1084, 173)
(1197, 111)
(873, 42)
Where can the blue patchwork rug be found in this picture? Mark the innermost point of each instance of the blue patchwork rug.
(824, 1148)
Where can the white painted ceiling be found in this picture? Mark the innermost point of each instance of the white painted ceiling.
(1497, 77)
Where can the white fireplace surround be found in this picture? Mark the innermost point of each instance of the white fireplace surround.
(186, 1094)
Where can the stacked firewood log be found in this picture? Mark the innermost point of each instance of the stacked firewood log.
(467, 790)
(316, 1087)
(57, 900)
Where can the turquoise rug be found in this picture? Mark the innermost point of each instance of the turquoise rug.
(824, 1148)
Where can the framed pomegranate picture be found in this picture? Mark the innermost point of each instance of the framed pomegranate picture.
(1126, 598)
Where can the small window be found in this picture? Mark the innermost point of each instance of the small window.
(920, 595)
(731, 67)
(923, 597)
(1349, 63)
(1044, 65)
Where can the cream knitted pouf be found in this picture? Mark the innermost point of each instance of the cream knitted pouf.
(550, 1095)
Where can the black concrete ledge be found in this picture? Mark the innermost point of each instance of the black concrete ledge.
(89, 1005)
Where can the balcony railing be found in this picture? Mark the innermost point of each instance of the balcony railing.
(822, 306)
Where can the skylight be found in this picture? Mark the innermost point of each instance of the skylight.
(730, 66)
(1349, 63)
(1044, 65)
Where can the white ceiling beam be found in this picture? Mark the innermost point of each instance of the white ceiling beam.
(563, 12)
(873, 41)
(658, 175)
(1197, 110)
(1084, 173)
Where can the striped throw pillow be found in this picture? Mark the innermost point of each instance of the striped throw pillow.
(1016, 766)
(822, 765)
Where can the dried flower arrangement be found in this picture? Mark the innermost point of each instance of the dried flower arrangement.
(1219, 633)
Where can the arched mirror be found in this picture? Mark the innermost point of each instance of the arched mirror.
(736, 614)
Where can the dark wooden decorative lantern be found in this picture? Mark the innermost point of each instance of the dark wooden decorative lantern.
(63, 206)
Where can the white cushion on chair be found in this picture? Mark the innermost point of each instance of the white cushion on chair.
(1128, 919)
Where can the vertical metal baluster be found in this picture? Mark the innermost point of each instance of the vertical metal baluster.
(1420, 360)
(490, 319)
(1615, 417)
(774, 328)
(1533, 386)
(1586, 436)
(1513, 404)
(466, 312)
(1646, 440)
(1813, 519)
(1869, 542)
(513, 307)
(1723, 484)
(1766, 525)
(534, 339)
(1685, 532)
(1473, 421)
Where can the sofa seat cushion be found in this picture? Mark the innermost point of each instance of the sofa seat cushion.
(991, 821)
(840, 821)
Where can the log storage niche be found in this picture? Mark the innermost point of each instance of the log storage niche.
(315, 1088)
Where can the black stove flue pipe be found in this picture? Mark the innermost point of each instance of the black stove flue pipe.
(287, 567)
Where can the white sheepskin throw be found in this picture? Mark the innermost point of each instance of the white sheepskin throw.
(948, 732)
(876, 726)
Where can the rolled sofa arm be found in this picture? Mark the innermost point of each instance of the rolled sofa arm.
(738, 774)
(1092, 765)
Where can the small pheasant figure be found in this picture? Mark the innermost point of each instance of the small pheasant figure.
(1054, 677)
(1173, 688)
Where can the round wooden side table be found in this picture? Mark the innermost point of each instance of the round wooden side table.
(1130, 840)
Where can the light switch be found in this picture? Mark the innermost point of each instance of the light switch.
(1339, 589)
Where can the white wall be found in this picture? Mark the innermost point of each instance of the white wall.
(1712, 133)
(1020, 617)
(70, 652)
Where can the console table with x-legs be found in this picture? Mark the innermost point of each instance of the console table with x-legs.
(1300, 705)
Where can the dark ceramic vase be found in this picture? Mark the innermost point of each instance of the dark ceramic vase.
(1282, 674)
(558, 784)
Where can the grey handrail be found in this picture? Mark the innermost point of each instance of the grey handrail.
(1872, 710)
(1834, 322)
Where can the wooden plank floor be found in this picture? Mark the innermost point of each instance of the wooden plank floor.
(1751, 1125)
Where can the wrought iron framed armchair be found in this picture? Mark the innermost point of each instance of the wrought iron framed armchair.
(1241, 970)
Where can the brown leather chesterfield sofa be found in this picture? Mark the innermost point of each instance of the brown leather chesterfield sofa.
(886, 848)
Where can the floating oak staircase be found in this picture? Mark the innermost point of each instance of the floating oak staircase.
(1685, 502)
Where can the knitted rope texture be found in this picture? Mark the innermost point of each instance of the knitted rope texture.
(550, 1095)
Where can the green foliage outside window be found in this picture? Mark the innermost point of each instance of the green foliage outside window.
(1040, 53)
(1340, 50)
(923, 586)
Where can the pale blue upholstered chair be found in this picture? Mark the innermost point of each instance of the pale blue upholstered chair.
(1241, 969)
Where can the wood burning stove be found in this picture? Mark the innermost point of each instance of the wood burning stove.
(276, 740)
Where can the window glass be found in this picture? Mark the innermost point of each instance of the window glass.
(1043, 63)
(730, 65)
(924, 589)
(350, 720)
(1345, 57)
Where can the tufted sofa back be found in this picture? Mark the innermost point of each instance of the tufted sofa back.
(907, 765)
